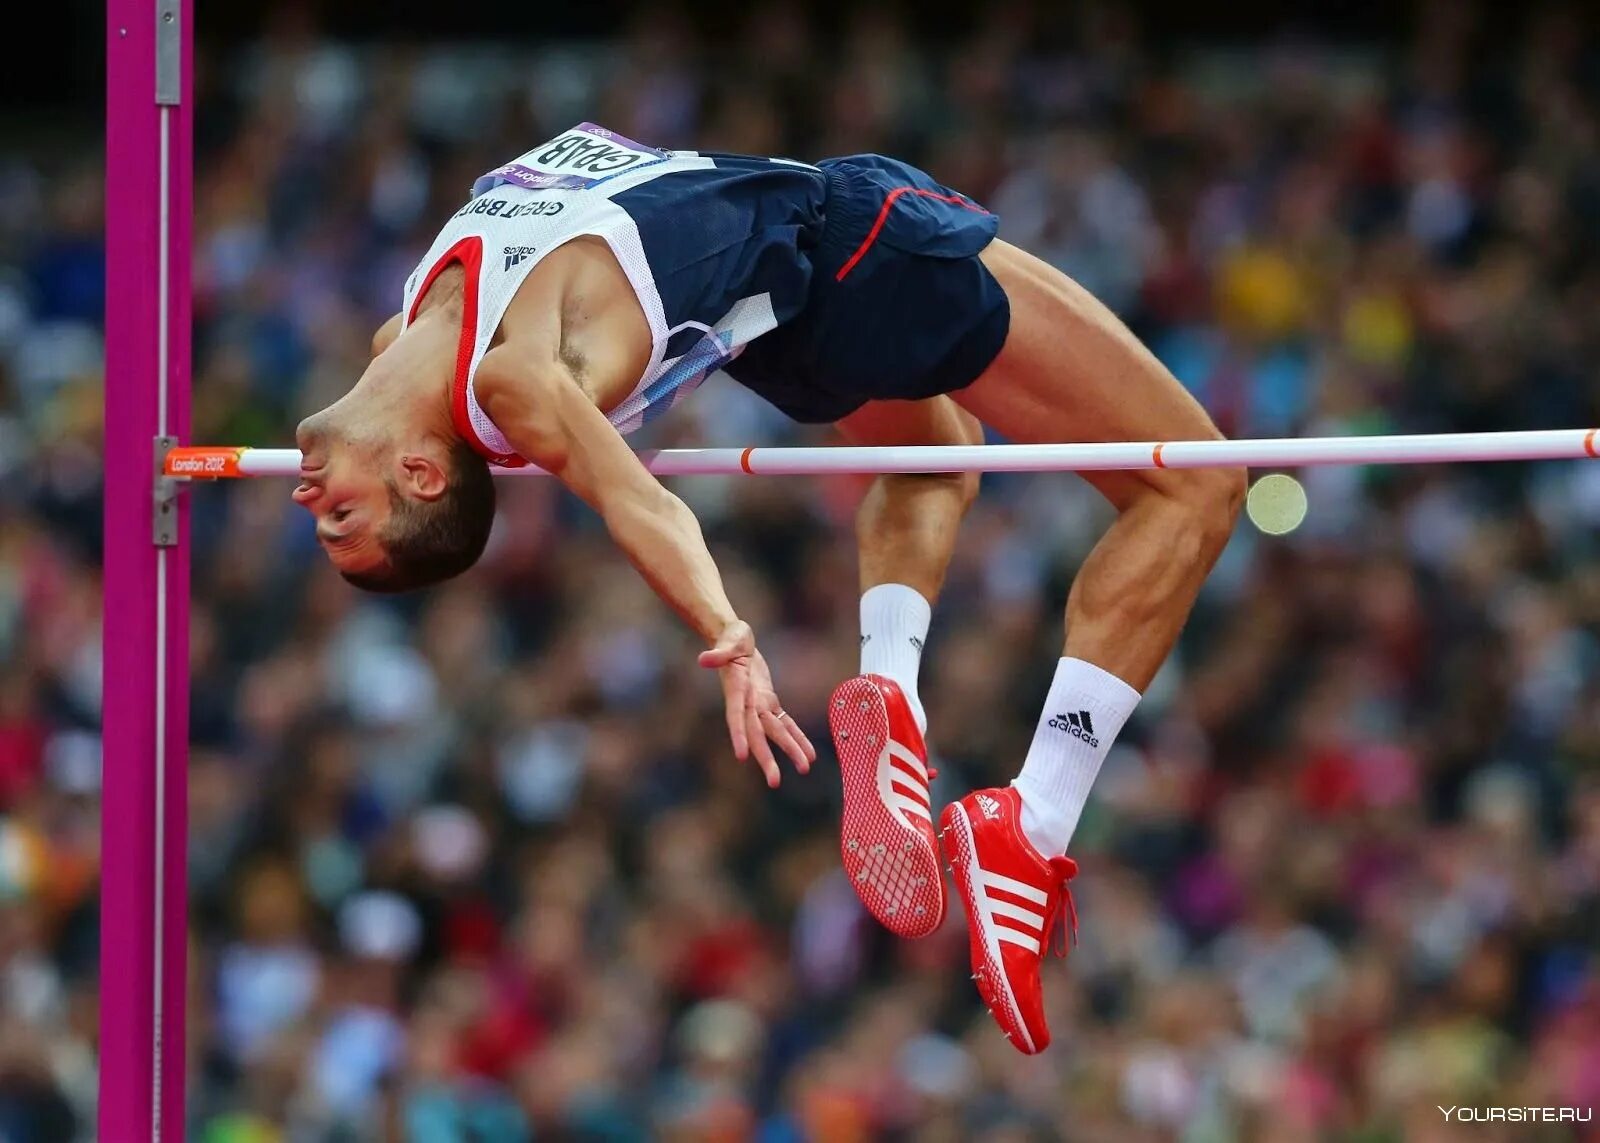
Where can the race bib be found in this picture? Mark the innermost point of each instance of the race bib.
(573, 160)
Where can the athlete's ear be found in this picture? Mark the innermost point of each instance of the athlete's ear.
(422, 477)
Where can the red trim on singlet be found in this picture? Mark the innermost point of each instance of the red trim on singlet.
(883, 217)
(468, 252)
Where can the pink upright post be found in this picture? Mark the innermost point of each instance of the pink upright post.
(143, 905)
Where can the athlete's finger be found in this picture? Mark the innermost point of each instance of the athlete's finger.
(805, 743)
(762, 751)
(733, 693)
(789, 739)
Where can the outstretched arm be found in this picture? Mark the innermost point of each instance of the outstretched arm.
(550, 420)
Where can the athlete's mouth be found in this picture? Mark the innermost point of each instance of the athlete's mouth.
(310, 486)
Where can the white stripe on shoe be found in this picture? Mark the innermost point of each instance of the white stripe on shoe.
(904, 756)
(911, 789)
(910, 806)
(1024, 926)
(1016, 888)
(1032, 920)
(903, 783)
(1011, 936)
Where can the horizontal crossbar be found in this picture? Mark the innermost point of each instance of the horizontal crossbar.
(1289, 452)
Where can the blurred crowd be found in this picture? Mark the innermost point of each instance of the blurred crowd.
(479, 865)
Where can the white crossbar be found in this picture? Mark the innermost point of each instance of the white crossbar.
(1289, 452)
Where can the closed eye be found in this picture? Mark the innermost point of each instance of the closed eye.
(331, 530)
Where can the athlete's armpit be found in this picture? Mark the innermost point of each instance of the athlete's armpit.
(535, 402)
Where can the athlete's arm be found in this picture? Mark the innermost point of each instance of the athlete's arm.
(548, 418)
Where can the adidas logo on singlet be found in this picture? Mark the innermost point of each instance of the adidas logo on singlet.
(517, 254)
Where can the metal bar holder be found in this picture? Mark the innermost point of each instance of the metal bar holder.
(169, 52)
(164, 497)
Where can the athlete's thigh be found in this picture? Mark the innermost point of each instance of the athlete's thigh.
(1070, 372)
(935, 421)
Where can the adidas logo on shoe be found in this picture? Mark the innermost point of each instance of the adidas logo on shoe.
(990, 807)
(1079, 725)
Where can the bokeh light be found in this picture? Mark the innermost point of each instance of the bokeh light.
(1276, 504)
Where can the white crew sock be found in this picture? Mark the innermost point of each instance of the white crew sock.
(1082, 716)
(894, 626)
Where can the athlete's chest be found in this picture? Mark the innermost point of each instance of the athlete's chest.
(579, 306)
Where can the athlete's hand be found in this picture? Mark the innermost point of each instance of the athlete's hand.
(754, 712)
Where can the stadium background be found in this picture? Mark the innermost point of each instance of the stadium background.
(479, 863)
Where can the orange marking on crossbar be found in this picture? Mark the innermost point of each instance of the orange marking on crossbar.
(202, 462)
(1155, 455)
(744, 459)
(1588, 444)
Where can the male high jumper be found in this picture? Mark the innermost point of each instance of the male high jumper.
(592, 283)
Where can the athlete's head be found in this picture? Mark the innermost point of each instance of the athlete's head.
(400, 501)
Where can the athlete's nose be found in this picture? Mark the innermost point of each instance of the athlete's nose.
(308, 435)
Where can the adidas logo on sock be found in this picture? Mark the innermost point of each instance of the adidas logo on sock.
(1077, 724)
(990, 807)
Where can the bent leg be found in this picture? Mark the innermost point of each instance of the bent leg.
(906, 525)
(907, 528)
(1070, 371)
(906, 533)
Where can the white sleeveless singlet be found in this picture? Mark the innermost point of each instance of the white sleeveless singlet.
(522, 211)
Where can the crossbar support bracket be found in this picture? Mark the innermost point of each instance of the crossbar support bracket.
(169, 52)
(164, 497)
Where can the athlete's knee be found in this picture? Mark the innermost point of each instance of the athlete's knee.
(963, 485)
(1211, 498)
(1194, 509)
(924, 495)
(905, 488)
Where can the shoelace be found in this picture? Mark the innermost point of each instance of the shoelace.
(1062, 922)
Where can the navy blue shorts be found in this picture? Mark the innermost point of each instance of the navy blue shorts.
(900, 306)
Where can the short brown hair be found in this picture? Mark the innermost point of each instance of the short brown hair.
(426, 543)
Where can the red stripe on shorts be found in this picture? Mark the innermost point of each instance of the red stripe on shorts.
(883, 216)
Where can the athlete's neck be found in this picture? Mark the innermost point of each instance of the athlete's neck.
(410, 380)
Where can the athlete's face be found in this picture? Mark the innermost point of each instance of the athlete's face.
(345, 484)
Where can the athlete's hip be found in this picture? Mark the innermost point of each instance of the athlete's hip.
(873, 200)
(899, 306)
